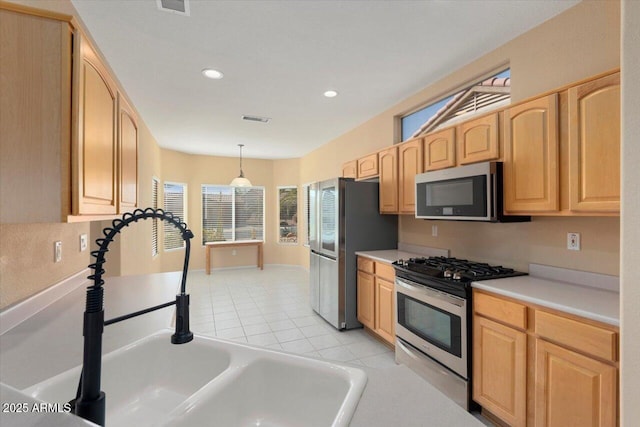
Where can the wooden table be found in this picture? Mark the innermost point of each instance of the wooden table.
(209, 245)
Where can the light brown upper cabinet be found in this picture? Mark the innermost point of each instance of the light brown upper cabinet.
(368, 166)
(409, 164)
(350, 169)
(128, 156)
(531, 169)
(388, 164)
(478, 140)
(594, 145)
(440, 150)
(35, 83)
(94, 148)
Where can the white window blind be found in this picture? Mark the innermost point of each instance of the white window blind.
(288, 218)
(154, 223)
(307, 213)
(232, 213)
(174, 202)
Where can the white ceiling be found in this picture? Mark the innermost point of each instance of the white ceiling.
(278, 57)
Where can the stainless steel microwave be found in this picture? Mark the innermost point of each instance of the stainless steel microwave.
(464, 193)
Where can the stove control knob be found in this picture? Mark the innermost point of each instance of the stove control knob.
(457, 276)
(448, 273)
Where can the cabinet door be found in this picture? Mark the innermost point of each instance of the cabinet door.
(388, 164)
(478, 140)
(594, 145)
(385, 310)
(500, 370)
(531, 171)
(95, 145)
(368, 166)
(440, 150)
(349, 169)
(35, 118)
(410, 164)
(573, 390)
(128, 155)
(366, 295)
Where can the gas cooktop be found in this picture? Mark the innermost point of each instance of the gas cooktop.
(451, 270)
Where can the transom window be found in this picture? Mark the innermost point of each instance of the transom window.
(232, 213)
(484, 95)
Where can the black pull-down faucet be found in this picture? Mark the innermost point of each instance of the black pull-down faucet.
(90, 400)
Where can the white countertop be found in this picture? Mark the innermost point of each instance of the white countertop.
(588, 302)
(50, 342)
(403, 252)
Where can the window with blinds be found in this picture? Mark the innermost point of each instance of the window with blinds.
(154, 222)
(175, 196)
(232, 213)
(288, 217)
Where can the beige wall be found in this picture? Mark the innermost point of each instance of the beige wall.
(26, 258)
(630, 246)
(576, 44)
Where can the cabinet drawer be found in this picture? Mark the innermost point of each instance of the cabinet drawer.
(504, 311)
(366, 265)
(385, 271)
(589, 339)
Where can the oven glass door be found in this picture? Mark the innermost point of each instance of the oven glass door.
(466, 197)
(435, 325)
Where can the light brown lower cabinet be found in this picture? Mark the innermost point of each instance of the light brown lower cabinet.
(375, 304)
(534, 366)
(384, 310)
(573, 390)
(366, 299)
(500, 370)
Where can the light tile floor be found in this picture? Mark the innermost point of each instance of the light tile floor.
(270, 308)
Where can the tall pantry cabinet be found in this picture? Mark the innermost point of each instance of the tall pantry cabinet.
(68, 137)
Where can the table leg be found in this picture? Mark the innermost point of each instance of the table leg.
(207, 259)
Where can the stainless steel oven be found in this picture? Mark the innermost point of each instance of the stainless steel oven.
(431, 337)
(434, 322)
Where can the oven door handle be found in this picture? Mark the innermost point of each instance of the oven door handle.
(433, 293)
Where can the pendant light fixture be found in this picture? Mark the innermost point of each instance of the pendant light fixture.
(240, 181)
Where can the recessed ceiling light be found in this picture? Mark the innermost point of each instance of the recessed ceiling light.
(212, 74)
(331, 94)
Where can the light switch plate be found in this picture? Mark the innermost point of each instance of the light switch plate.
(57, 251)
(573, 241)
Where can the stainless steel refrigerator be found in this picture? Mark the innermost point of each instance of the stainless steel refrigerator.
(343, 218)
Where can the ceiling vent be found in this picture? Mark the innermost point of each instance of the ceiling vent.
(179, 7)
(256, 119)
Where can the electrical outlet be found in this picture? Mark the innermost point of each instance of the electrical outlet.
(573, 241)
(434, 230)
(234, 252)
(83, 242)
(57, 251)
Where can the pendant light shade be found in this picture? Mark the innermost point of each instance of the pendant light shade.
(240, 180)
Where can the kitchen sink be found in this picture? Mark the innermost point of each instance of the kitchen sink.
(153, 382)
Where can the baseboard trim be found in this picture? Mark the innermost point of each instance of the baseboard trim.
(16, 314)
